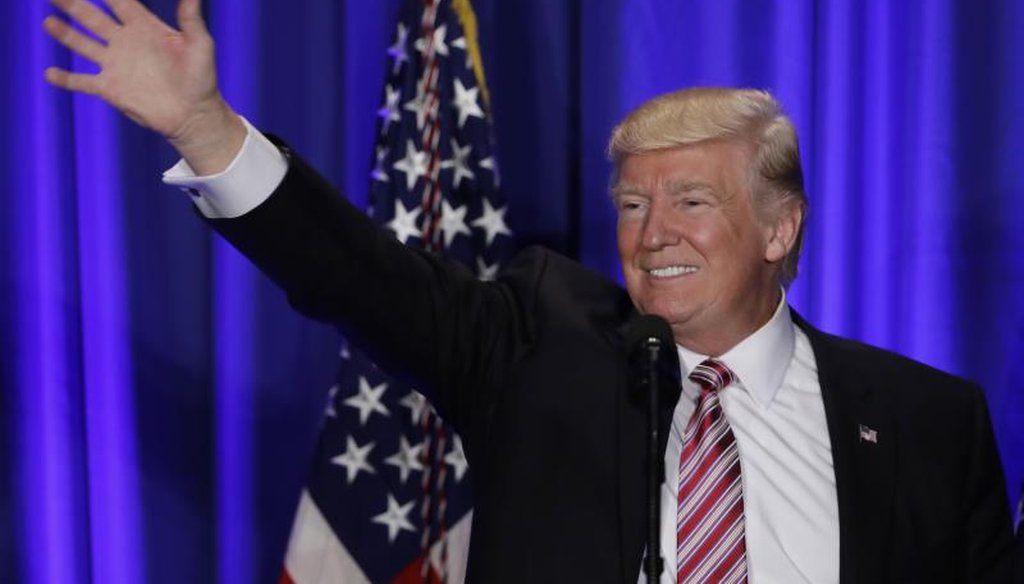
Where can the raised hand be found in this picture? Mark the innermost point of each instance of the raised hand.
(161, 77)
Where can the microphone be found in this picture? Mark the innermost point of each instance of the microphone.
(647, 337)
(646, 331)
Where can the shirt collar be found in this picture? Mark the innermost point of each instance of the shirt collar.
(758, 361)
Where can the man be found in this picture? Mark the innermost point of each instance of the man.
(789, 455)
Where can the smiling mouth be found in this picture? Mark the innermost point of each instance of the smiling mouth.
(671, 271)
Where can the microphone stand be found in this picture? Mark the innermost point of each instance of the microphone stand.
(653, 562)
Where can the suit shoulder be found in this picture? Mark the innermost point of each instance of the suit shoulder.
(909, 378)
(554, 287)
(556, 274)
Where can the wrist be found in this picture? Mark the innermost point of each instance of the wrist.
(210, 139)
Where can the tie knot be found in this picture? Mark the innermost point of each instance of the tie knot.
(711, 375)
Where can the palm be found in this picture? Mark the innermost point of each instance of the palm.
(153, 75)
(157, 75)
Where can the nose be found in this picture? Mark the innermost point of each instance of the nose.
(658, 229)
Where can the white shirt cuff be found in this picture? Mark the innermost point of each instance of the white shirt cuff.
(249, 180)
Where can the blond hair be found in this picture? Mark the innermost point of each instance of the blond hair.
(691, 116)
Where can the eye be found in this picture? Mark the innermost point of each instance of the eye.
(693, 203)
(630, 205)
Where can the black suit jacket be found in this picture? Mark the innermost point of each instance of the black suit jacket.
(532, 371)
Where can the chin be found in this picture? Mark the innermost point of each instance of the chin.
(673, 314)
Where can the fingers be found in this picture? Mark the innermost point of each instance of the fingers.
(190, 18)
(72, 39)
(72, 81)
(89, 16)
(127, 10)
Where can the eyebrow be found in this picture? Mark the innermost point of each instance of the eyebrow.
(685, 186)
(676, 187)
(621, 189)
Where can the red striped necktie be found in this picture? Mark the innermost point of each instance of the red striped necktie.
(710, 545)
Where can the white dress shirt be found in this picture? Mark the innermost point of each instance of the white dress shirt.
(249, 180)
(774, 408)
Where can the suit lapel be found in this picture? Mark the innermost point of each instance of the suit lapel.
(863, 436)
(631, 409)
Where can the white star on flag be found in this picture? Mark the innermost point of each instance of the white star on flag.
(354, 459)
(378, 169)
(367, 400)
(460, 43)
(453, 222)
(457, 458)
(490, 164)
(418, 106)
(331, 394)
(439, 47)
(485, 272)
(492, 221)
(397, 50)
(414, 165)
(416, 403)
(389, 111)
(396, 518)
(403, 224)
(407, 459)
(466, 102)
(460, 162)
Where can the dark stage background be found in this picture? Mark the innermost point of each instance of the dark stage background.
(160, 401)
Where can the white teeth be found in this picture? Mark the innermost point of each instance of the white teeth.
(672, 271)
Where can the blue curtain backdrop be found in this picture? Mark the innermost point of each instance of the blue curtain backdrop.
(159, 399)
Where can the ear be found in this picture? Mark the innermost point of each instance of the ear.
(782, 231)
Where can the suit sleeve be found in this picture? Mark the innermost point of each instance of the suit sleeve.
(987, 541)
(427, 320)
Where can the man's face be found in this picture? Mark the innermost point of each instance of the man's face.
(693, 249)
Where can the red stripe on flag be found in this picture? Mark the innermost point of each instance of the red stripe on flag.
(418, 572)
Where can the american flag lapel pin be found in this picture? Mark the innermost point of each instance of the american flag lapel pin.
(867, 434)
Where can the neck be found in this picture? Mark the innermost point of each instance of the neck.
(718, 338)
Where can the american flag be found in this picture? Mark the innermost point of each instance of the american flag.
(867, 434)
(388, 499)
